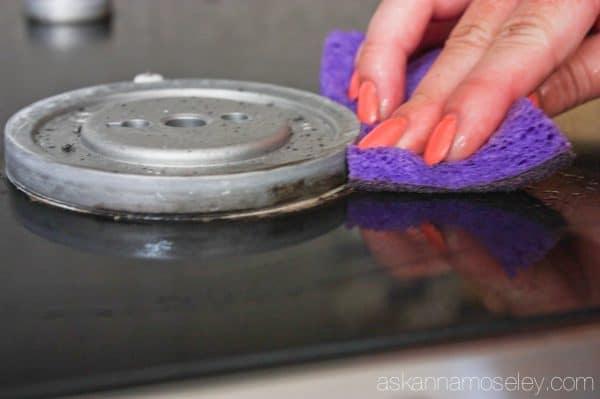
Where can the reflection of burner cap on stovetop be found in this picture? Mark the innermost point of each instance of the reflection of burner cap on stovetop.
(67, 11)
(176, 147)
(66, 37)
(176, 240)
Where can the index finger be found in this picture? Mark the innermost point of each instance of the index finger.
(395, 31)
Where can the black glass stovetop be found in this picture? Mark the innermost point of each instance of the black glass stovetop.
(89, 303)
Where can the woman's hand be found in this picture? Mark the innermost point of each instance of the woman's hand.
(495, 52)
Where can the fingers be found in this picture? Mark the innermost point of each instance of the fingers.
(394, 32)
(498, 52)
(537, 37)
(575, 81)
(465, 46)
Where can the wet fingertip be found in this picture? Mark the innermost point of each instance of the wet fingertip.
(385, 109)
(405, 143)
(457, 151)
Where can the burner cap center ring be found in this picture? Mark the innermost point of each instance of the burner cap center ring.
(183, 131)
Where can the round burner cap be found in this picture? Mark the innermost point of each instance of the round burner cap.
(177, 147)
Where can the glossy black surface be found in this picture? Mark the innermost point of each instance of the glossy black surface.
(88, 303)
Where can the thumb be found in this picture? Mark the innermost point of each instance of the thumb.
(576, 81)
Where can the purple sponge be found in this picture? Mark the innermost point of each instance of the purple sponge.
(526, 147)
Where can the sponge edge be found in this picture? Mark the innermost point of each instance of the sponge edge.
(526, 148)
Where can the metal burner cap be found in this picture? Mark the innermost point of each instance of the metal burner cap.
(179, 147)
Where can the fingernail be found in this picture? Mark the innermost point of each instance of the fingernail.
(533, 97)
(434, 236)
(440, 141)
(354, 86)
(368, 103)
(385, 135)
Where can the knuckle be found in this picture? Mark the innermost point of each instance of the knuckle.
(528, 29)
(576, 87)
(574, 80)
(586, 74)
(563, 82)
(580, 75)
(472, 35)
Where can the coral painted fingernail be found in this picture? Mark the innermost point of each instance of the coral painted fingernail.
(533, 97)
(434, 236)
(440, 141)
(368, 103)
(354, 86)
(385, 135)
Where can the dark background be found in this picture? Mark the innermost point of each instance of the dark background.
(86, 303)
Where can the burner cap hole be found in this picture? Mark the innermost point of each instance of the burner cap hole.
(185, 121)
(133, 123)
(237, 117)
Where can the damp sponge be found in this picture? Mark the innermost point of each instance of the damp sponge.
(526, 148)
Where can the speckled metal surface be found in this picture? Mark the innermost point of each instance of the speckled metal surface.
(179, 147)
